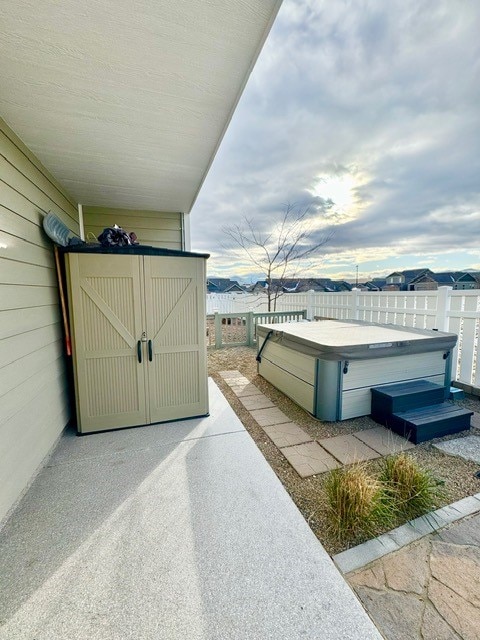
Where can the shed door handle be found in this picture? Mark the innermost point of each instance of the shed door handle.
(150, 350)
(139, 350)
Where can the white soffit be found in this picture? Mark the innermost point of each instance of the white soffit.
(126, 102)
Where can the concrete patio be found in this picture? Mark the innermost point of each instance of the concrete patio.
(168, 531)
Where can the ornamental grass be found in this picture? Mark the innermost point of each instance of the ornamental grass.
(358, 506)
(414, 490)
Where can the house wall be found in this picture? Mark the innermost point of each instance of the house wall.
(424, 286)
(156, 228)
(33, 385)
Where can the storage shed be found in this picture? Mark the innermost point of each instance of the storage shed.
(328, 367)
(137, 315)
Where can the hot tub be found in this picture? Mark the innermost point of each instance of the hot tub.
(328, 367)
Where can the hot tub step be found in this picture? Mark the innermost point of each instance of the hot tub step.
(425, 423)
(404, 396)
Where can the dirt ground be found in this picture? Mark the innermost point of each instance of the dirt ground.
(308, 493)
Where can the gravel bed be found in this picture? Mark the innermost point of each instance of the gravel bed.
(308, 493)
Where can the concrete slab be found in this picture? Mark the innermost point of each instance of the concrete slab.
(348, 449)
(267, 417)
(383, 441)
(467, 448)
(256, 402)
(168, 540)
(150, 436)
(309, 459)
(287, 434)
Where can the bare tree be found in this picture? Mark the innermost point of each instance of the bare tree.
(281, 252)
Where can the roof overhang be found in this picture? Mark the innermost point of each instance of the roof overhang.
(126, 103)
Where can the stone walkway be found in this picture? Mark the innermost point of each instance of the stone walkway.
(428, 590)
(307, 456)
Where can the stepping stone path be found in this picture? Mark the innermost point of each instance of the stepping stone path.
(348, 449)
(287, 434)
(307, 456)
(384, 441)
(309, 459)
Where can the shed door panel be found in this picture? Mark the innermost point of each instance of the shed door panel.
(107, 323)
(175, 316)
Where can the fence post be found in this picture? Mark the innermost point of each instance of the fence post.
(355, 304)
(250, 329)
(310, 304)
(218, 331)
(443, 307)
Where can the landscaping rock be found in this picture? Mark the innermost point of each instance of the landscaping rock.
(373, 577)
(467, 448)
(397, 615)
(407, 570)
(434, 626)
(458, 568)
(462, 616)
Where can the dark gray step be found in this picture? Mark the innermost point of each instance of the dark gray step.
(405, 395)
(425, 423)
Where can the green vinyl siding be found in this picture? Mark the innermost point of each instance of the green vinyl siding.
(33, 384)
(155, 228)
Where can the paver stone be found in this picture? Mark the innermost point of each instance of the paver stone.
(383, 441)
(348, 449)
(242, 391)
(287, 434)
(309, 459)
(267, 417)
(256, 402)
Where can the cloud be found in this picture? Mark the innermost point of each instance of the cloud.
(382, 96)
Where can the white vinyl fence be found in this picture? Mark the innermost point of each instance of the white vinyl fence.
(444, 309)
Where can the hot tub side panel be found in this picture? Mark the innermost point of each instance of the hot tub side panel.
(291, 372)
(362, 375)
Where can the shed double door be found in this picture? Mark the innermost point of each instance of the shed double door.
(138, 326)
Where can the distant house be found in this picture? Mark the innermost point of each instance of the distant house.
(223, 285)
(468, 280)
(410, 280)
(427, 280)
(372, 285)
(447, 278)
(301, 285)
(423, 282)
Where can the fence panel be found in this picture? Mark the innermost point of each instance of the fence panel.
(239, 329)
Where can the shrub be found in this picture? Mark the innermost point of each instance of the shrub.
(413, 489)
(357, 503)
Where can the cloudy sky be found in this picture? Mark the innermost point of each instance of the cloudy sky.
(367, 113)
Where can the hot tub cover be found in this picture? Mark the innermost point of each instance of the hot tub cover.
(355, 340)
